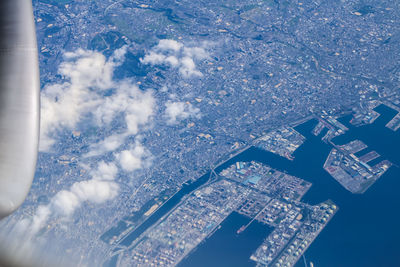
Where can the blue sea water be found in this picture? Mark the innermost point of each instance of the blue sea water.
(227, 248)
(365, 231)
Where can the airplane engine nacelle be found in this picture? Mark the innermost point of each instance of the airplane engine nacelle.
(19, 103)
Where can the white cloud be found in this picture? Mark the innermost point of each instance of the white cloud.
(41, 216)
(105, 171)
(95, 191)
(154, 58)
(65, 202)
(195, 52)
(135, 158)
(188, 68)
(179, 111)
(136, 105)
(87, 75)
(176, 55)
(87, 69)
(61, 106)
(168, 44)
(173, 61)
(110, 143)
(99, 189)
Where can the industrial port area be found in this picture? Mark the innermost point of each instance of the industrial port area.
(283, 142)
(248, 188)
(261, 193)
(352, 172)
(300, 225)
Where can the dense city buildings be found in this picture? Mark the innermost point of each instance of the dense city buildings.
(143, 102)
